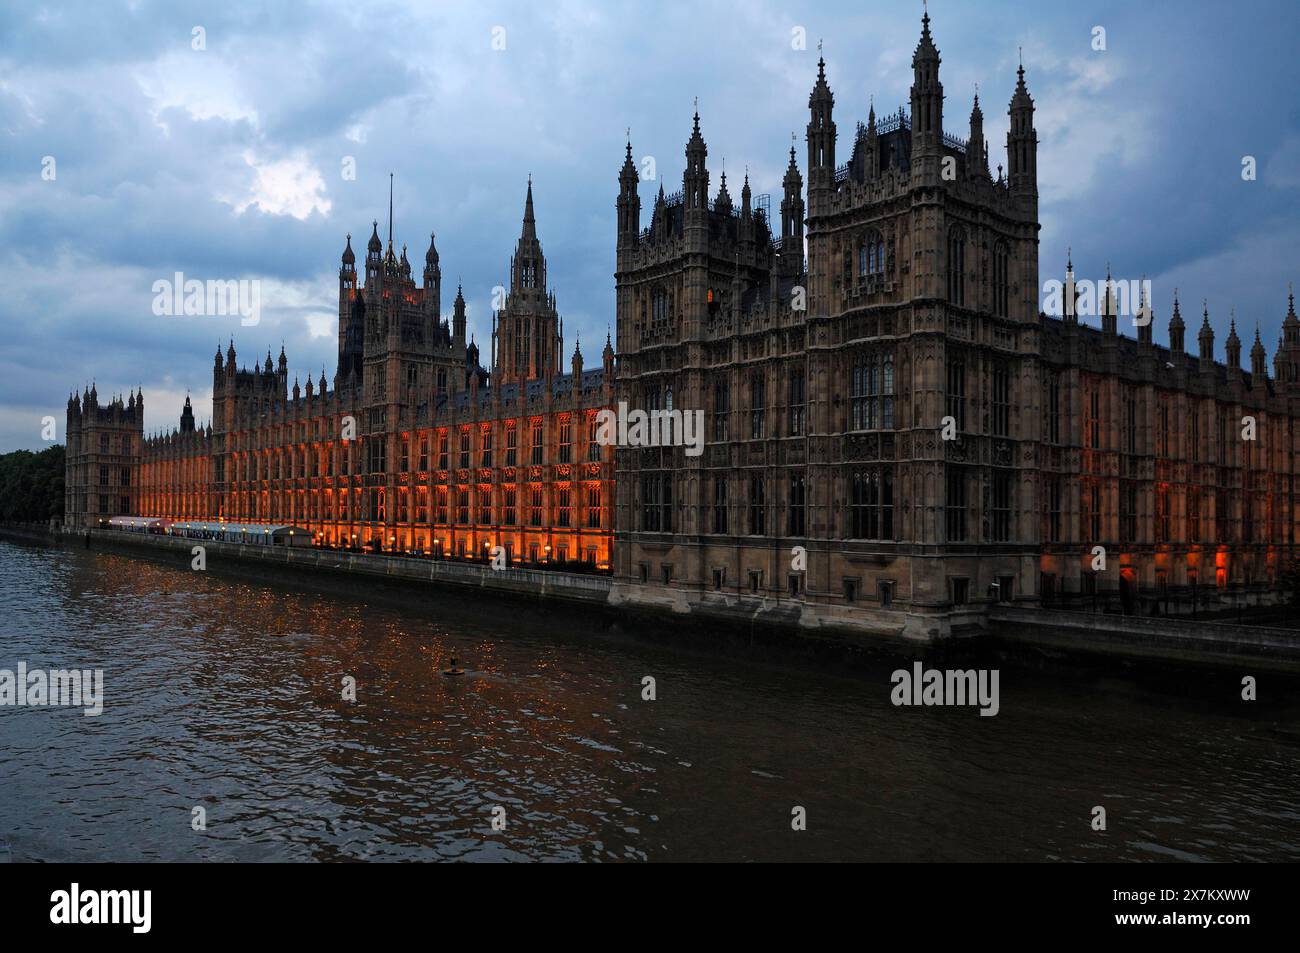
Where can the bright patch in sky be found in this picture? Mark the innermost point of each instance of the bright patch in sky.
(290, 186)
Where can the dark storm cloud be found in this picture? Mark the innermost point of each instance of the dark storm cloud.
(227, 163)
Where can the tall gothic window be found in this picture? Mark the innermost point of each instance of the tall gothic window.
(1000, 524)
(721, 410)
(797, 405)
(657, 502)
(1053, 531)
(660, 305)
(1001, 281)
(956, 395)
(871, 393)
(1054, 408)
(720, 505)
(797, 513)
(1129, 400)
(593, 443)
(757, 506)
(871, 255)
(566, 441)
(1223, 516)
(955, 505)
(1093, 425)
(1162, 514)
(957, 267)
(1128, 512)
(1001, 403)
(871, 504)
(757, 406)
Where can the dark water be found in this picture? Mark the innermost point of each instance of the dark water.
(225, 693)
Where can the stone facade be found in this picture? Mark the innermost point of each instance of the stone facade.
(102, 464)
(412, 450)
(895, 435)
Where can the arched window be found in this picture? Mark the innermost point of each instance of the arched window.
(871, 391)
(1001, 281)
(957, 267)
(871, 255)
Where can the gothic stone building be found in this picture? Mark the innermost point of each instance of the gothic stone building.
(417, 448)
(101, 468)
(896, 434)
(827, 494)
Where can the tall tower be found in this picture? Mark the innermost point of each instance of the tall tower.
(528, 332)
(977, 152)
(927, 109)
(1022, 146)
(351, 314)
(432, 286)
(695, 178)
(821, 138)
(792, 221)
(629, 202)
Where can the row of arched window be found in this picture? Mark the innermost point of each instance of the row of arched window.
(957, 241)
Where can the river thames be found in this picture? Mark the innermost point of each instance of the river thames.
(224, 693)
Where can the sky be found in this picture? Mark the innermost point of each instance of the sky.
(142, 139)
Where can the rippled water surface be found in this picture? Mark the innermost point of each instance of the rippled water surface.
(225, 693)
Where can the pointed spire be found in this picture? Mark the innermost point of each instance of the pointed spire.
(375, 246)
(530, 223)
(349, 256)
(431, 256)
(925, 46)
(792, 176)
(1176, 326)
(1021, 93)
(821, 91)
(723, 203)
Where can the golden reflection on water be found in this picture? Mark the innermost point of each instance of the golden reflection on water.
(227, 692)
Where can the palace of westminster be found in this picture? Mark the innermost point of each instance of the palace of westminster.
(895, 434)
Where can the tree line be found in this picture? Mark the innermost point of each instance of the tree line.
(31, 485)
